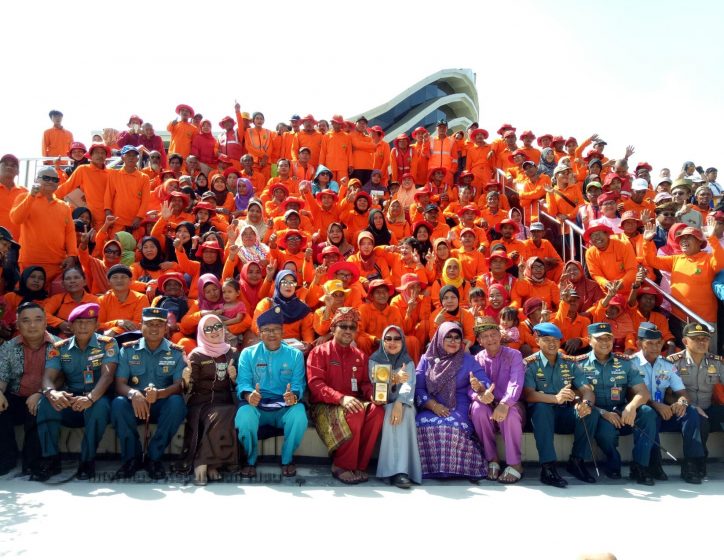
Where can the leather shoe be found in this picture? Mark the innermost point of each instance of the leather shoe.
(401, 481)
(655, 468)
(46, 467)
(86, 470)
(613, 474)
(577, 468)
(689, 472)
(155, 470)
(700, 467)
(641, 474)
(549, 475)
(128, 469)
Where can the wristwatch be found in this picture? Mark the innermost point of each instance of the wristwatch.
(131, 394)
(47, 390)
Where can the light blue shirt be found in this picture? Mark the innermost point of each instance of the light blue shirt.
(272, 371)
(659, 376)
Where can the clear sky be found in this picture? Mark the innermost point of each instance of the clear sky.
(647, 73)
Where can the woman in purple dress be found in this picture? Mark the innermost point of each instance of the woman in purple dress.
(444, 431)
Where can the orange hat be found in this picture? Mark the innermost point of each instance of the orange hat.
(291, 200)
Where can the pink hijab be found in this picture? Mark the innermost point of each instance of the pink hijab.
(205, 346)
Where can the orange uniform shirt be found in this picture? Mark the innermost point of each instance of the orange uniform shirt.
(182, 134)
(59, 306)
(92, 181)
(572, 328)
(616, 262)
(56, 142)
(127, 196)
(336, 153)
(311, 140)
(7, 200)
(362, 150)
(112, 309)
(479, 165)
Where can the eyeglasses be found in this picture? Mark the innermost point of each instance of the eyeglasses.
(668, 214)
(274, 330)
(453, 338)
(213, 328)
(111, 251)
(287, 283)
(50, 179)
(392, 338)
(346, 327)
(294, 238)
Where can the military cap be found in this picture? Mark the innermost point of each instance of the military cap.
(649, 331)
(599, 329)
(548, 329)
(696, 329)
(153, 313)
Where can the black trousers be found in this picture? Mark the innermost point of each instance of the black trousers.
(15, 415)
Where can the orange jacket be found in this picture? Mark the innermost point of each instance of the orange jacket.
(362, 150)
(56, 142)
(336, 152)
(420, 161)
(616, 262)
(259, 143)
(92, 182)
(441, 154)
(464, 317)
(112, 309)
(474, 263)
(311, 140)
(531, 154)
(182, 134)
(381, 160)
(478, 163)
(556, 205)
(127, 196)
(524, 290)
(576, 328)
(302, 330)
(47, 232)
(530, 193)
(58, 307)
(7, 200)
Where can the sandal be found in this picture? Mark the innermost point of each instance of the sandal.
(510, 475)
(214, 475)
(289, 470)
(200, 476)
(493, 470)
(361, 476)
(346, 477)
(248, 471)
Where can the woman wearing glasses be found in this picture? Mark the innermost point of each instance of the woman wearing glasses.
(210, 435)
(444, 431)
(392, 372)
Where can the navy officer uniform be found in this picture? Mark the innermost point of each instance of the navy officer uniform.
(611, 381)
(542, 376)
(139, 369)
(81, 370)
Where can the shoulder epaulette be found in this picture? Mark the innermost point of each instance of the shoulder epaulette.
(580, 358)
(104, 338)
(620, 356)
(675, 357)
(530, 359)
(129, 343)
(175, 346)
(570, 358)
(61, 342)
(714, 357)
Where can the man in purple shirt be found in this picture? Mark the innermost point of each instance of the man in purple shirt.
(496, 407)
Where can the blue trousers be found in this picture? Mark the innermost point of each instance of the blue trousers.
(292, 419)
(95, 419)
(549, 419)
(690, 427)
(167, 413)
(607, 438)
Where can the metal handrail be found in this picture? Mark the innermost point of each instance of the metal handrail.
(30, 166)
(680, 306)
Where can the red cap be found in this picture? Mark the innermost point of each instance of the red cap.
(631, 215)
(231, 170)
(517, 153)
(94, 146)
(211, 244)
(527, 134)
(377, 128)
(465, 174)
(606, 197)
(407, 176)
(543, 137)
(134, 118)
(380, 282)
(477, 131)
(593, 154)
(694, 232)
(309, 118)
(423, 223)
(644, 165)
(331, 250)
(471, 208)
(184, 106)
(492, 183)
(500, 255)
(593, 229)
(281, 186)
(75, 146)
(203, 205)
(289, 232)
(418, 130)
(180, 194)
(422, 191)
(557, 139)
(227, 118)
(650, 291)
(352, 268)
(166, 276)
(328, 192)
(610, 178)
(571, 140)
(507, 222)
(504, 127)
(408, 279)
(292, 200)
(619, 300)
(337, 119)
(509, 133)
(10, 157)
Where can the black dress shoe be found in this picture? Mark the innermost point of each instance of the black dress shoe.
(655, 468)
(613, 474)
(577, 468)
(700, 464)
(402, 481)
(641, 474)
(47, 467)
(689, 472)
(549, 475)
(155, 470)
(86, 470)
(128, 469)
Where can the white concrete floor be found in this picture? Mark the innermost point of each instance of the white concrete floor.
(315, 516)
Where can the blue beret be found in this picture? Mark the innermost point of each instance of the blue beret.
(128, 148)
(598, 329)
(85, 311)
(272, 316)
(548, 329)
(649, 331)
(151, 313)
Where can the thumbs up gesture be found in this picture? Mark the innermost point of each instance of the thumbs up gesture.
(255, 396)
(475, 384)
(290, 398)
(487, 397)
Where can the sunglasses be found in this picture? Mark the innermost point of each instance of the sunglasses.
(287, 283)
(348, 327)
(213, 328)
(50, 179)
(393, 338)
(453, 338)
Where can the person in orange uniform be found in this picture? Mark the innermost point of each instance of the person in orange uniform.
(363, 150)
(509, 230)
(414, 307)
(356, 218)
(401, 157)
(127, 193)
(336, 151)
(573, 325)
(491, 213)
(531, 189)
(182, 131)
(534, 284)
(441, 152)
(47, 233)
(9, 167)
(56, 140)
(58, 307)
(503, 150)
(642, 198)
(323, 206)
(231, 139)
(630, 224)
(536, 246)
(564, 200)
(92, 180)
(121, 307)
(381, 155)
(608, 258)
(471, 255)
(308, 137)
(420, 155)
(531, 153)
(478, 160)
(451, 309)
(259, 142)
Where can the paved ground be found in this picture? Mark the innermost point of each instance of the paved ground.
(313, 512)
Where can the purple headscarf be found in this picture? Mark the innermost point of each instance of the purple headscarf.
(242, 200)
(442, 368)
(205, 304)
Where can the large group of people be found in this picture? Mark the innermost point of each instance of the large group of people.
(409, 297)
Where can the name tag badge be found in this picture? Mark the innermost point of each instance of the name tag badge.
(94, 357)
(615, 393)
(354, 385)
(167, 363)
(88, 377)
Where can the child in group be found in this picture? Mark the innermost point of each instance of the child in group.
(233, 311)
(477, 302)
(509, 327)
